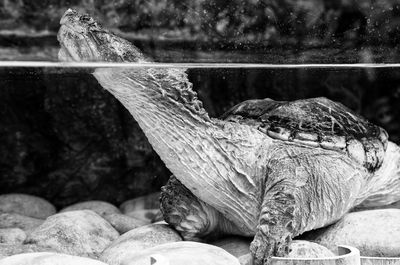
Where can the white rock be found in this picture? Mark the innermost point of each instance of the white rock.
(12, 235)
(182, 253)
(48, 258)
(307, 249)
(27, 205)
(100, 207)
(82, 233)
(151, 201)
(14, 220)
(146, 208)
(148, 215)
(138, 239)
(375, 233)
(240, 248)
(14, 249)
(123, 223)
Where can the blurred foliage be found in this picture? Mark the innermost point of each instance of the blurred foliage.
(272, 21)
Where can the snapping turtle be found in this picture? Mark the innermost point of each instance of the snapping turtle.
(266, 169)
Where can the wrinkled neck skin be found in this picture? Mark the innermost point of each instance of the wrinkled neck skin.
(210, 157)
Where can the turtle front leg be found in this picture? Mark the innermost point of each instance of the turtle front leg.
(191, 217)
(277, 223)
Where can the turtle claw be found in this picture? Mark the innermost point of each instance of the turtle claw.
(265, 247)
(261, 250)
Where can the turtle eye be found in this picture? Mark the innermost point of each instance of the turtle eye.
(86, 18)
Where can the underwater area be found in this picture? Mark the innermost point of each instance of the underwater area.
(66, 138)
(93, 173)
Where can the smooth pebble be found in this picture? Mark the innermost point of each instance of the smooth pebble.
(81, 233)
(182, 253)
(12, 235)
(136, 240)
(27, 205)
(48, 258)
(14, 220)
(376, 233)
(100, 207)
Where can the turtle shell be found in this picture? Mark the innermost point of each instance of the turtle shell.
(316, 122)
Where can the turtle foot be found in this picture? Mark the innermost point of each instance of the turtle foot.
(182, 210)
(264, 247)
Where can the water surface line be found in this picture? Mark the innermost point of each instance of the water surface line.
(48, 64)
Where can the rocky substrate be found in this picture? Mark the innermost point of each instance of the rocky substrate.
(99, 233)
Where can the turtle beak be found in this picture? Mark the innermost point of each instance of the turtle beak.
(68, 16)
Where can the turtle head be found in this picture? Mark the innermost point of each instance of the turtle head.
(83, 39)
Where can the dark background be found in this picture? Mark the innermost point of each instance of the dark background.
(238, 21)
(279, 31)
(64, 138)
